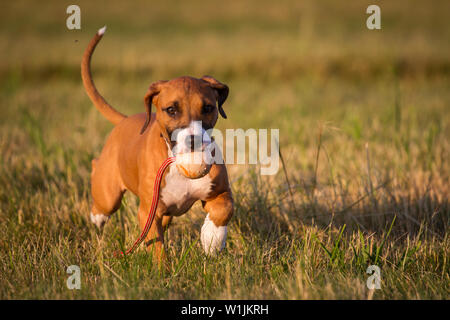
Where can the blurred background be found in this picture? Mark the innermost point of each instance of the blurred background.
(291, 57)
(363, 114)
(303, 60)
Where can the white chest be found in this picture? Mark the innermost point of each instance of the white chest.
(180, 193)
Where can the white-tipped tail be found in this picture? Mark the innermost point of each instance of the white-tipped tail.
(99, 102)
(101, 31)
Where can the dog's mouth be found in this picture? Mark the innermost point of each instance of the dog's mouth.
(194, 157)
(194, 150)
(194, 163)
(188, 147)
(189, 139)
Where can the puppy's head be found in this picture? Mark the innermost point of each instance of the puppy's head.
(185, 108)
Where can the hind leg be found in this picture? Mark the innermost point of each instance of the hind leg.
(107, 192)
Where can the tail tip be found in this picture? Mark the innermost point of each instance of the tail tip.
(101, 31)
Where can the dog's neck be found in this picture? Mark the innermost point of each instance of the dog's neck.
(154, 133)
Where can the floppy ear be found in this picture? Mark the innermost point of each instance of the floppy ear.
(153, 90)
(222, 92)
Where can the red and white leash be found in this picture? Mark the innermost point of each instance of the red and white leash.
(152, 212)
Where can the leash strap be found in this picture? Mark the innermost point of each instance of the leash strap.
(151, 214)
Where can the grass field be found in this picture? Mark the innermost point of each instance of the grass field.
(364, 119)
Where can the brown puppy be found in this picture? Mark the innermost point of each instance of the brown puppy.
(139, 144)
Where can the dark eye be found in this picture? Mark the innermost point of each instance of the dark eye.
(172, 111)
(208, 108)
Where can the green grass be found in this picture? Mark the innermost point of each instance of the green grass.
(364, 126)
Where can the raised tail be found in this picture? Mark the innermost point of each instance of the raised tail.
(100, 103)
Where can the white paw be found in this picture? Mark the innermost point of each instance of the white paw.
(212, 237)
(99, 219)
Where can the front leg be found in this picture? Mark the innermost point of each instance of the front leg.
(155, 237)
(214, 230)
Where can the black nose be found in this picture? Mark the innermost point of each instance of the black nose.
(194, 142)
